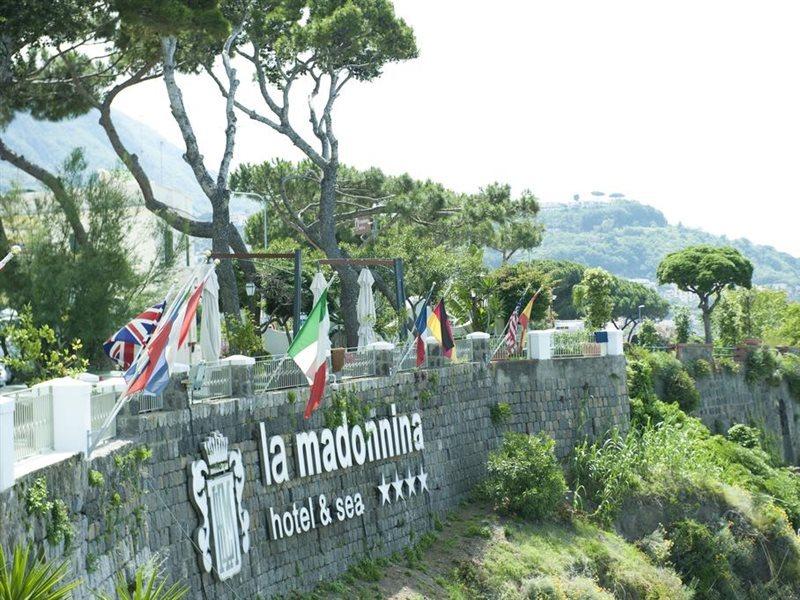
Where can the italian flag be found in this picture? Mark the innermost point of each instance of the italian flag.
(310, 349)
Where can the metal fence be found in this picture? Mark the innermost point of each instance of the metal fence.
(150, 402)
(572, 344)
(213, 382)
(402, 361)
(277, 372)
(102, 405)
(498, 345)
(462, 351)
(358, 363)
(33, 422)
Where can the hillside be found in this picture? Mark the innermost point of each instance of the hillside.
(630, 239)
(48, 144)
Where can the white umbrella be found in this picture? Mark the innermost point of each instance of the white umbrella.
(210, 330)
(318, 285)
(365, 309)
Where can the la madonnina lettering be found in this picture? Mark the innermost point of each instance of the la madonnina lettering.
(330, 450)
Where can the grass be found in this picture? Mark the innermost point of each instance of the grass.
(480, 554)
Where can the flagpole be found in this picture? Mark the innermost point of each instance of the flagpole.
(419, 333)
(508, 322)
(285, 356)
(13, 251)
(124, 397)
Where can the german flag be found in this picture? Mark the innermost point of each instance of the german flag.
(525, 317)
(439, 324)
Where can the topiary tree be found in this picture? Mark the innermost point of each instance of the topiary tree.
(706, 271)
(592, 297)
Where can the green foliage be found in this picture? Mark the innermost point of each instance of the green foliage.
(346, 402)
(592, 297)
(627, 296)
(683, 325)
(648, 335)
(790, 371)
(674, 383)
(26, 577)
(96, 479)
(500, 413)
(745, 436)
(36, 354)
(701, 558)
(242, 335)
(122, 499)
(78, 291)
(728, 322)
(148, 584)
(640, 379)
(789, 330)
(509, 282)
(54, 512)
(706, 271)
(761, 365)
(525, 477)
(701, 368)
(728, 365)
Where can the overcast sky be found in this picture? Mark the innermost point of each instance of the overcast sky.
(692, 107)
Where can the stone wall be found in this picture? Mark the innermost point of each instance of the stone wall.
(565, 398)
(726, 399)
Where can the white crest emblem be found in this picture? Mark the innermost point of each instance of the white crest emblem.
(216, 484)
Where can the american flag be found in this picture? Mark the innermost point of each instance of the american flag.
(513, 326)
(124, 345)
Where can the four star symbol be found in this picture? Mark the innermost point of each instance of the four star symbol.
(409, 481)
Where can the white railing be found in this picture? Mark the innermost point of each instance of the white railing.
(103, 402)
(216, 383)
(404, 359)
(277, 372)
(462, 350)
(358, 363)
(573, 344)
(498, 345)
(33, 422)
(150, 402)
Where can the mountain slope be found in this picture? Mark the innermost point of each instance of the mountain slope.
(48, 144)
(630, 239)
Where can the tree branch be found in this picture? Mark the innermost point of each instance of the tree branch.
(62, 196)
(192, 156)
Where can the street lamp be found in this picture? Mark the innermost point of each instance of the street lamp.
(250, 289)
(266, 215)
(641, 306)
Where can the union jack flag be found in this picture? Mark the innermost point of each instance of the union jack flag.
(125, 344)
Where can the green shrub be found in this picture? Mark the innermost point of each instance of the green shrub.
(701, 368)
(673, 381)
(500, 413)
(640, 379)
(681, 389)
(701, 559)
(241, 334)
(747, 437)
(761, 364)
(790, 370)
(728, 365)
(24, 576)
(525, 477)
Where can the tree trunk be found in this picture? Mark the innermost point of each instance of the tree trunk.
(330, 245)
(707, 322)
(228, 290)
